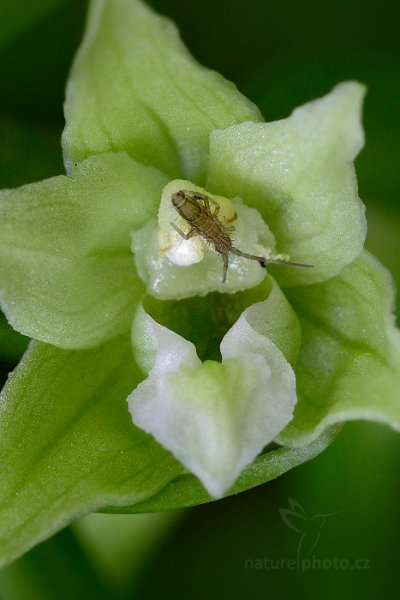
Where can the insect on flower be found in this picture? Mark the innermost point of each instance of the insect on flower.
(195, 209)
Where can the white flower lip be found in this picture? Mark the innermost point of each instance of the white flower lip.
(214, 417)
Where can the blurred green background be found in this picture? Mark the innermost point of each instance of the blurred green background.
(280, 54)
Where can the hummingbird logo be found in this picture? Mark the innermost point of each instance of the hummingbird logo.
(308, 526)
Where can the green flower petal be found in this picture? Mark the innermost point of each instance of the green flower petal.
(67, 443)
(67, 275)
(135, 87)
(349, 363)
(298, 173)
(275, 319)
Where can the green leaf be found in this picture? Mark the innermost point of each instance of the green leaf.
(298, 173)
(67, 274)
(349, 362)
(135, 87)
(67, 443)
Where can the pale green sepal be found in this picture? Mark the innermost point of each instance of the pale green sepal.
(135, 87)
(67, 275)
(214, 417)
(349, 363)
(67, 444)
(298, 173)
(187, 490)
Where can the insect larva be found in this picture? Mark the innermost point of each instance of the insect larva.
(195, 209)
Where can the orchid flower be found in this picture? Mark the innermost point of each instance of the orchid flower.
(152, 383)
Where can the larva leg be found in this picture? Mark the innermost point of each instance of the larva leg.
(217, 206)
(225, 269)
(185, 236)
